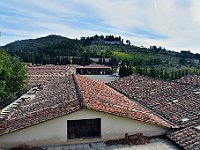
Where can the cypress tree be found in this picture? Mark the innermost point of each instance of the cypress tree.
(161, 73)
(166, 75)
(129, 71)
(145, 71)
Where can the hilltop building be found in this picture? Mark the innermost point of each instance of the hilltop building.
(100, 60)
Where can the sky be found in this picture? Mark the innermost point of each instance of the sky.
(173, 24)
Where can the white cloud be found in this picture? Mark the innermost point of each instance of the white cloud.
(167, 18)
(195, 9)
(178, 21)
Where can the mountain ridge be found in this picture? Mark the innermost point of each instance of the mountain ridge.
(57, 49)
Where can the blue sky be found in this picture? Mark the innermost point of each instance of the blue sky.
(173, 24)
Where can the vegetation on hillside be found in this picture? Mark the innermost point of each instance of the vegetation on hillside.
(55, 49)
(162, 73)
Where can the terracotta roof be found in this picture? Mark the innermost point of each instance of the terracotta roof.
(98, 96)
(190, 79)
(69, 94)
(58, 98)
(178, 102)
(188, 138)
(47, 73)
(174, 101)
(93, 67)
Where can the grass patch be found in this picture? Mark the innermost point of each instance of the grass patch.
(123, 55)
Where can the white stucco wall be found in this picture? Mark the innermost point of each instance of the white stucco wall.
(54, 131)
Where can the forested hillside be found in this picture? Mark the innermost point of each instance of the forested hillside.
(56, 49)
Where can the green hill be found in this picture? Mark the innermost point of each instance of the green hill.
(32, 44)
(56, 49)
(43, 50)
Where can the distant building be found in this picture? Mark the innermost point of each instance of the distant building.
(101, 60)
(28, 64)
(196, 61)
(100, 42)
(113, 42)
(94, 70)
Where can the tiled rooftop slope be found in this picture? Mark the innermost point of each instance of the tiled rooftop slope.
(188, 138)
(150, 100)
(190, 79)
(68, 94)
(171, 100)
(98, 96)
(57, 98)
(179, 102)
(46, 73)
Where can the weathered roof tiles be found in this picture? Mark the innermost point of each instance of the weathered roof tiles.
(70, 94)
(100, 97)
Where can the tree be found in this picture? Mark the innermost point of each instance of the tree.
(122, 71)
(183, 61)
(145, 71)
(152, 72)
(13, 75)
(129, 71)
(179, 74)
(125, 71)
(186, 72)
(128, 42)
(176, 75)
(166, 75)
(161, 73)
(172, 77)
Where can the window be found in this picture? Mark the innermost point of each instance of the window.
(85, 128)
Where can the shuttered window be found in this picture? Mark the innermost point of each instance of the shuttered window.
(86, 128)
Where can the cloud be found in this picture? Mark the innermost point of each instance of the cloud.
(196, 12)
(171, 24)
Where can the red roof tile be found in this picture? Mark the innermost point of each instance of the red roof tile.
(69, 94)
(178, 102)
(190, 79)
(171, 100)
(100, 97)
(58, 98)
(188, 138)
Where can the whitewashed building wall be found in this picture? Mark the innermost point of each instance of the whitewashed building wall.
(54, 131)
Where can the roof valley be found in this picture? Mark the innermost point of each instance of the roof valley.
(77, 87)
